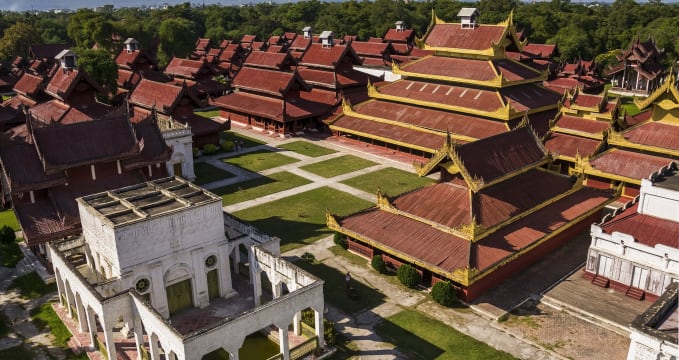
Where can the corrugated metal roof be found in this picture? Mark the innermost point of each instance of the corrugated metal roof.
(628, 164)
(645, 229)
(455, 37)
(388, 131)
(662, 135)
(570, 145)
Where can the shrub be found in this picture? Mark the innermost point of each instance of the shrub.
(378, 264)
(329, 332)
(443, 293)
(7, 235)
(341, 240)
(210, 149)
(228, 146)
(308, 257)
(408, 276)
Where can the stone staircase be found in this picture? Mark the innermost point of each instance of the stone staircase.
(600, 281)
(635, 293)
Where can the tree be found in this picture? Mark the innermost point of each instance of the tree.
(177, 38)
(99, 64)
(87, 28)
(17, 39)
(7, 235)
(408, 276)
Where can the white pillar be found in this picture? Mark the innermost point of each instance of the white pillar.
(110, 343)
(283, 342)
(277, 289)
(318, 322)
(297, 322)
(60, 287)
(69, 299)
(224, 271)
(138, 335)
(91, 326)
(80, 310)
(257, 287)
(233, 355)
(153, 347)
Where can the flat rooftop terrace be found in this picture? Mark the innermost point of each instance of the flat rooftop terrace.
(668, 181)
(149, 199)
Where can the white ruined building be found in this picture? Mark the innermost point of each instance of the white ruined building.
(159, 261)
(636, 249)
(654, 333)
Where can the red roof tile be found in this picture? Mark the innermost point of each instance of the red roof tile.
(570, 145)
(57, 111)
(493, 157)
(370, 48)
(399, 36)
(444, 203)
(408, 236)
(628, 164)
(127, 58)
(270, 108)
(655, 134)
(581, 124)
(269, 60)
(587, 100)
(527, 97)
(28, 84)
(184, 67)
(478, 70)
(64, 82)
(455, 37)
(647, 230)
(528, 230)
(389, 133)
(300, 43)
(276, 83)
(330, 57)
(432, 119)
(540, 50)
(471, 98)
(150, 94)
(40, 222)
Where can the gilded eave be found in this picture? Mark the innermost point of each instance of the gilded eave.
(668, 87)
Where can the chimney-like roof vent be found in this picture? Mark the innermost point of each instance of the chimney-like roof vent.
(400, 26)
(67, 59)
(307, 32)
(468, 17)
(327, 38)
(131, 45)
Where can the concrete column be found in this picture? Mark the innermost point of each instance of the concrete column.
(138, 334)
(224, 271)
(171, 355)
(257, 286)
(187, 163)
(91, 326)
(201, 298)
(318, 325)
(60, 287)
(297, 323)
(80, 310)
(277, 289)
(153, 347)
(69, 299)
(233, 355)
(157, 294)
(110, 343)
(283, 342)
(236, 259)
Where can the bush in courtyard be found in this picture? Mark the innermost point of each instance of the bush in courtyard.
(443, 293)
(7, 235)
(210, 149)
(341, 240)
(228, 146)
(378, 263)
(408, 276)
(329, 332)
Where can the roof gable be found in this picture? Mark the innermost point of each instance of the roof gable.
(329, 57)
(185, 68)
(162, 96)
(65, 81)
(269, 60)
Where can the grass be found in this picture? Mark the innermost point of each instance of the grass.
(44, 316)
(247, 141)
(300, 219)
(521, 320)
(421, 337)
(17, 353)
(307, 148)
(337, 166)
(260, 160)
(208, 114)
(392, 181)
(349, 256)
(206, 173)
(31, 286)
(334, 289)
(629, 106)
(258, 187)
(8, 218)
(10, 254)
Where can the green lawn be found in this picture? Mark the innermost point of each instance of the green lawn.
(8, 218)
(392, 181)
(334, 289)
(418, 336)
(247, 141)
(300, 219)
(45, 316)
(206, 173)
(260, 160)
(31, 286)
(337, 166)
(208, 114)
(10, 254)
(307, 148)
(628, 104)
(258, 187)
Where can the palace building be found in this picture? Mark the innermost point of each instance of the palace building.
(635, 249)
(649, 142)
(495, 211)
(160, 270)
(639, 70)
(467, 87)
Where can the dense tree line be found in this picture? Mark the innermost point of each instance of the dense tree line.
(580, 30)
